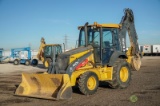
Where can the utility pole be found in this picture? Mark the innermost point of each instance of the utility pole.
(30, 45)
(65, 41)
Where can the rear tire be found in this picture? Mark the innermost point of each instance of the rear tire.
(16, 62)
(88, 83)
(121, 74)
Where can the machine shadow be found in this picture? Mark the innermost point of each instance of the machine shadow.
(40, 66)
(104, 84)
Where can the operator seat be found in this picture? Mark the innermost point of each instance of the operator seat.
(106, 52)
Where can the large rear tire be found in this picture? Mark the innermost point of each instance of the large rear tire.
(121, 74)
(88, 83)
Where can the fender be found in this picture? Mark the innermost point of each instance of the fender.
(116, 55)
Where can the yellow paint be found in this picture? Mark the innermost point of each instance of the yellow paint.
(46, 63)
(77, 55)
(43, 85)
(103, 74)
(129, 55)
(90, 63)
(108, 25)
(124, 74)
(91, 83)
(40, 54)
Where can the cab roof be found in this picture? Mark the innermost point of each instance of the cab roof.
(103, 25)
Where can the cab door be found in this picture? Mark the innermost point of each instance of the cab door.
(107, 45)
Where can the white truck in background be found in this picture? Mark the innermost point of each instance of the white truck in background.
(156, 50)
(151, 50)
(147, 50)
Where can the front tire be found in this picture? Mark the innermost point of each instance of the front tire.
(88, 83)
(121, 76)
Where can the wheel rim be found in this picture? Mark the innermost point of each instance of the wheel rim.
(16, 62)
(27, 63)
(91, 83)
(46, 63)
(124, 74)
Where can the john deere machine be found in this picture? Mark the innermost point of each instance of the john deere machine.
(45, 53)
(101, 56)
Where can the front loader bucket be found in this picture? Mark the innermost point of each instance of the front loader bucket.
(47, 86)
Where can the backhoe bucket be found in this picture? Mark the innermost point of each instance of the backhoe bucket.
(47, 86)
(136, 63)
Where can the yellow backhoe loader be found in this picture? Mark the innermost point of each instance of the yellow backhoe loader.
(101, 56)
(45, 53)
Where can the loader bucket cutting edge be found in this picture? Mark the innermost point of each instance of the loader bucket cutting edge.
(47, 86)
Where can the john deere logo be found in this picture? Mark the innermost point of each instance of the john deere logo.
(133, 98)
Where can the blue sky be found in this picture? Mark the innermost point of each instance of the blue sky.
(24, 22)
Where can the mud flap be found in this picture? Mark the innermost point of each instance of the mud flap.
(136, 63)
(47, 86)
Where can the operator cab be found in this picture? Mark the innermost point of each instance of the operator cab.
(52, 51)
(103, 38)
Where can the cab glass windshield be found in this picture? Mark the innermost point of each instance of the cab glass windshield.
(93, 36)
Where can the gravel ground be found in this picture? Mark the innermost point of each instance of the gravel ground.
(145, 86)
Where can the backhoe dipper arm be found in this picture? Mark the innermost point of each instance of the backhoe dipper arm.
(40, 52)
(127, 23)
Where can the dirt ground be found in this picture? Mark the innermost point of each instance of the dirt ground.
(145, 85)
